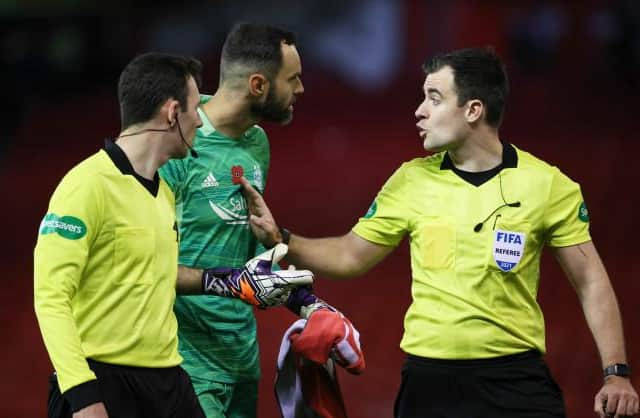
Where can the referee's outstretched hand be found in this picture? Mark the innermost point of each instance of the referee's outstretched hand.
(262, 223)
(616, 399)
(95, 410)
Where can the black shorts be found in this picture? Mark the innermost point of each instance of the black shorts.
(515, 386)
(135, 392)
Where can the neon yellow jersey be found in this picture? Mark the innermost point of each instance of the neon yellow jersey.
(105, 268)
(474, 293)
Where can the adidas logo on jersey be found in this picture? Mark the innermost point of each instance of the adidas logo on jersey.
(210, 181)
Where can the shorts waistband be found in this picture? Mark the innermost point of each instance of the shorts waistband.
(94, 364)
(523, 357)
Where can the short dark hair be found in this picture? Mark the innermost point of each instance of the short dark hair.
(253, 48)
(478, 73)
(151, 79)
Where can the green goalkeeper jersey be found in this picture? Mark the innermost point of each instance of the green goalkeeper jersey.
(217, 335)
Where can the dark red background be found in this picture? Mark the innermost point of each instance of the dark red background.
(325, 171)
(327, 167)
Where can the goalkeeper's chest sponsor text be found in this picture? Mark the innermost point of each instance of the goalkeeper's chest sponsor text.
(68, 227)
(233, 212)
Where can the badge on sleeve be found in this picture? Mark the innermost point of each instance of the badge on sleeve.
(508, 247)
(68, 227)
(583, 213)
(257, 177)
(372, 210)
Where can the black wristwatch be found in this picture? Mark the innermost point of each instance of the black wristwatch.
(618, 369)
(286, 235)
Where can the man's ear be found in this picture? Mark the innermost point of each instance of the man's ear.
(474, 111)
(258, 85)
(170, 110)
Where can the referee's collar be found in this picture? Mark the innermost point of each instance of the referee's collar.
(509, 158)
(121, 161)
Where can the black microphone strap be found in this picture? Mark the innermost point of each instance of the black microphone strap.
(142, 131)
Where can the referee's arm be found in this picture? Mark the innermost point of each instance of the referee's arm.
(59, 262)
(340, 257)
(586, 272)
(336, 257)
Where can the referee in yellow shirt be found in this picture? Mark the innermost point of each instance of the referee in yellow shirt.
(106, 259)
(478, 213)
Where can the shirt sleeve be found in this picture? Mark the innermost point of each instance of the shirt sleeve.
(62, 249)
(260, 150)
(173, 172)
(386, 222)
(566, 217)
(263, 157)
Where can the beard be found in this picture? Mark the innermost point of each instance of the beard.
(273, 109)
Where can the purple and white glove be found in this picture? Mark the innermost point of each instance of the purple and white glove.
(256, 283)
(303, 302)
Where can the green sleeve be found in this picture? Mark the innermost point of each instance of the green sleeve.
(173, 172)
(263, 156)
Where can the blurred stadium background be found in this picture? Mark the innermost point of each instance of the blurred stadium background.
(574, 74)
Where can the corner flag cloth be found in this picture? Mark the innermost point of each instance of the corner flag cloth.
(306, 381)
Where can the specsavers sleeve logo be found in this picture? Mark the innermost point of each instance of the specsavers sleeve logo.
(583, 213)
(372, 210)
(68, 227)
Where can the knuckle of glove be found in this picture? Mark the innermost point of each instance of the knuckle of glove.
(276, 297)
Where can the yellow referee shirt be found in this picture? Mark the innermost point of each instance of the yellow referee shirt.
(105, 270)
(474, 287)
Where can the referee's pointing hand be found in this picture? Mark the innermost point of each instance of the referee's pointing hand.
(261, 220)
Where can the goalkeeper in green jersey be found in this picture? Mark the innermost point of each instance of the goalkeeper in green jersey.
(259, 80)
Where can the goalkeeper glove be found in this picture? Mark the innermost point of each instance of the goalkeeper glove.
(329, 334)
(256, 283)
(303, 302)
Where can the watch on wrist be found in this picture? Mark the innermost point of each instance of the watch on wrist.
(618, 369)
(286, 235)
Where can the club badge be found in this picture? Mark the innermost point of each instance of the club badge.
(236, 172)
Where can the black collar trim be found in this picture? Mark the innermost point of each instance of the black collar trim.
(121, 161)
(509, 160)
